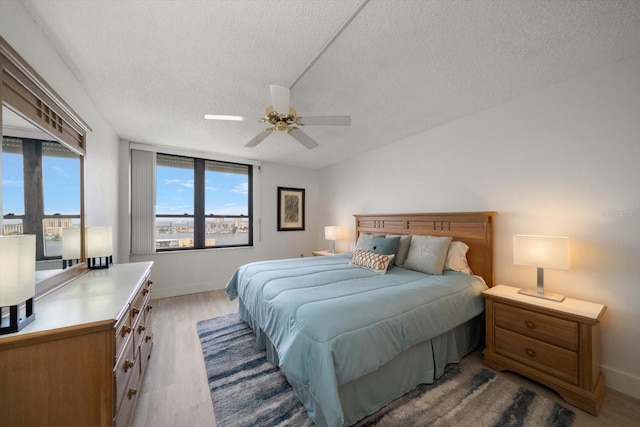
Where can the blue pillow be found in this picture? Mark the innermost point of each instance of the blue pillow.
(384, 245)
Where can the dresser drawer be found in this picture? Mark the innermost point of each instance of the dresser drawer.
(552, 330)
(553, 360)
(122, 331)
(124, 369)
(129, 398)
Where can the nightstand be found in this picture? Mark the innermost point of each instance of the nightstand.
(554, 343)
(325, 253)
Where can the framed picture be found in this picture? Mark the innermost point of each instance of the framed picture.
(290, 209)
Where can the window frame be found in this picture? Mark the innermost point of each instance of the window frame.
(199, 215)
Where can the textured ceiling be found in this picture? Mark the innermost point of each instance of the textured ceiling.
(155, 68)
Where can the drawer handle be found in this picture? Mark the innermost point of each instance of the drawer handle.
(132, 392)
(530, 324)
(147, 338)
(141, 328)
(128, 365)
(530, 352)
(145, 291)
(125, 330)
(149, 307)
(135, 311)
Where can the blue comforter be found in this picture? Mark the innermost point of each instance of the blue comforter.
(332, 322)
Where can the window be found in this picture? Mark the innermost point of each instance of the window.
(202, 203)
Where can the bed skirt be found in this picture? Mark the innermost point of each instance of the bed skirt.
(422, 363)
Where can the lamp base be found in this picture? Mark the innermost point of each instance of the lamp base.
(13, 322)
(100, 262)
(545, 295)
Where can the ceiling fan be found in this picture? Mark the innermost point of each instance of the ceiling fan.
(286, 122)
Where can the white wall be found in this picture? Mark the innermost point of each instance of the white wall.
(22, 33)
(184, 272)
(561, 161)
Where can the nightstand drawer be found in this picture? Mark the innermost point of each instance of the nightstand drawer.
(559, 332)
(544, 357)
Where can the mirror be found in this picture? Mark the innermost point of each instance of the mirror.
(51, 173)
(50, 138)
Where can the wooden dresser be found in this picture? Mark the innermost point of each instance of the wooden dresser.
(81, 361)
(554, 343)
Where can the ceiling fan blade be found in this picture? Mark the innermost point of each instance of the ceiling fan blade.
(280, 99)
(259, 137)
(303, 138)
(224, 117)
(324, 121)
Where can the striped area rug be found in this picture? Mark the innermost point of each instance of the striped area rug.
(247, 390)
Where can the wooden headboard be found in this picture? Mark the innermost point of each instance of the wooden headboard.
(473, 228)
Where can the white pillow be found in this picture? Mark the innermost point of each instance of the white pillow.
(427, 254)
(457, 258)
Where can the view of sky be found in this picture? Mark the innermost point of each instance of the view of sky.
(225, 193)
(61, 180)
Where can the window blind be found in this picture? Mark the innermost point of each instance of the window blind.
(143, 201)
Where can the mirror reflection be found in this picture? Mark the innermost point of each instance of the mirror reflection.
(41, 189)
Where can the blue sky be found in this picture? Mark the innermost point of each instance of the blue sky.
(225, 193)
(61, 179)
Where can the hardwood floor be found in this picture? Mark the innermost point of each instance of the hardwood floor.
(175, 391)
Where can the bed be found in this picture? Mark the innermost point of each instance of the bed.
(350, 339)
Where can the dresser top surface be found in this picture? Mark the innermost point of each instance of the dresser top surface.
(97, 296)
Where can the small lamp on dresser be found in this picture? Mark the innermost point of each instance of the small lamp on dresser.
(541, 252)
(17, 281)
(333, 233)
(71, 248)
(99, 247)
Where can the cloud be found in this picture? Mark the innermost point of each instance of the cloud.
(12, 182)
(242, 188)
(61, 171)
(179, 182)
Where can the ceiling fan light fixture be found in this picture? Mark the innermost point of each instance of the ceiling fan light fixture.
(280, 98)
(223, 117)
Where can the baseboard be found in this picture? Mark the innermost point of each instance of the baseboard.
(163, 292)
(622, 382)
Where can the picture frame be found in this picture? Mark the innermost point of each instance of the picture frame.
(290, 209)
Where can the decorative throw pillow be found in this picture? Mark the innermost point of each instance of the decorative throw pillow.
(384, 245)
(364, 241)
(427, 254)
(371, 260)
(403, 248)
(457, 258)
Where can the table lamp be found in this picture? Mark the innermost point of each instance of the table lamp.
(71, 248)
(333, 233)
(99, 247)
(541, 252)
(17, 280)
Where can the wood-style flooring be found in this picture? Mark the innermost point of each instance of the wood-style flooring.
(175, 391)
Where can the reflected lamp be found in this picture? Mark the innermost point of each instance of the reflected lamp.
(541, 252)
(99, 247)
(333, 233)
(17, 281)
(71, 248)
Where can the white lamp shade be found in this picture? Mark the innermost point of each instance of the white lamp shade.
(99, 242)
(17, 269)
(541, 251)
(71, 243)
(332, 232)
